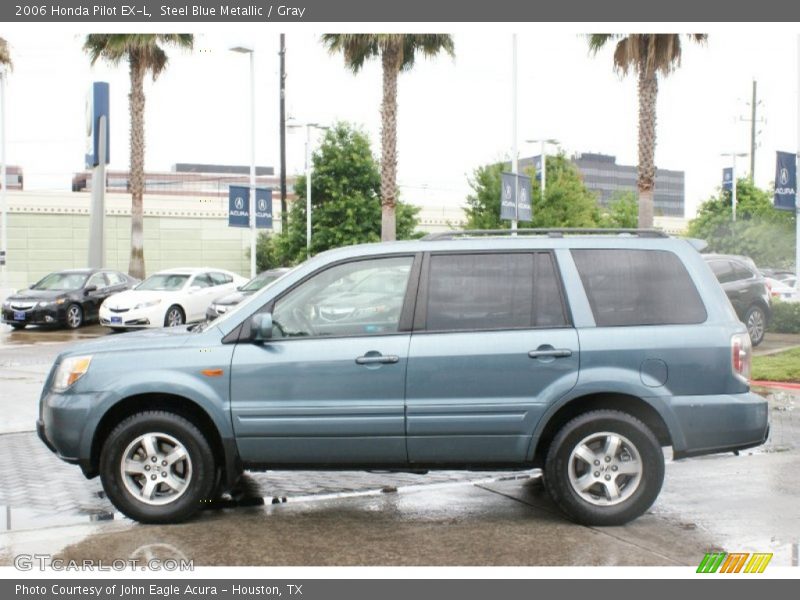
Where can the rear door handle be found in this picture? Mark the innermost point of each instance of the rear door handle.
(377, 359)
(554, 353)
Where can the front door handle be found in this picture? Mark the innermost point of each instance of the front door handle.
(551, 353)
(377, 359)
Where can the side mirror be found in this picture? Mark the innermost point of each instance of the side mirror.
(89, 289)
(261, 327)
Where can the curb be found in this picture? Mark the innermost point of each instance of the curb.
(781, 385)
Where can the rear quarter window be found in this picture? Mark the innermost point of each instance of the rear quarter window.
(638, 287)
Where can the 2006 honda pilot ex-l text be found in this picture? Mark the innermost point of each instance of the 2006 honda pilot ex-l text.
(580, 354)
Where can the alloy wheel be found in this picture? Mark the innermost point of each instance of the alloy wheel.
(156, 468)
(605, 468)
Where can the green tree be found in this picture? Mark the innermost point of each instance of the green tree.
(345, 198)
(567, 201)
(397, 53)
(647, 55)
(144, 55)
(760, 231)
(621, 212)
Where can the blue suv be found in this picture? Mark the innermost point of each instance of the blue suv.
(578, 352)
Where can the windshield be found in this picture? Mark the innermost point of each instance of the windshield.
(61, 281)
(164, 282)
(260, 281)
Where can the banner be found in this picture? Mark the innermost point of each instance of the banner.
(727, 179)
(515, 197)
(239, 207)
(785, 181)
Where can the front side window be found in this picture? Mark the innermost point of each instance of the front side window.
(98, 280)
(202, 281)
(493, 291)
(220, 278)
(638, 287)
(356, 298)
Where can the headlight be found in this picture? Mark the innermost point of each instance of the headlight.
(49, 302)
(69, 371)
(147, 304)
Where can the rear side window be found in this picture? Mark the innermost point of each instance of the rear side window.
(493, 291)
(638, 287)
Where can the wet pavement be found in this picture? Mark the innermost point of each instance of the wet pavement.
(721, 502)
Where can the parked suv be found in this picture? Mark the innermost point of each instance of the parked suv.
(747, 290)
(584, 355)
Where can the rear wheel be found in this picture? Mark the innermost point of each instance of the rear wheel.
(604, 467)
(756, 322)
(157, 467)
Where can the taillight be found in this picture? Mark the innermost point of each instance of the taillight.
(741, 351)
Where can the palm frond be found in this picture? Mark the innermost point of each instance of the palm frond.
(5, 54)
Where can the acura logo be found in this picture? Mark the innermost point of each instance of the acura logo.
(238, 203)
(507, 191)
(262, 205)
(784, 176)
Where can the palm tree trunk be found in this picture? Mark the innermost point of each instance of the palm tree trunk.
(136, 100)
(648, 93)
(392, 58)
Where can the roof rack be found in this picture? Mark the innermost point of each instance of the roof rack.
(554, 233)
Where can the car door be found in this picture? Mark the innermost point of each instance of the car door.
(328, 388)
(199, 297)
(94, 298)
(492, 345)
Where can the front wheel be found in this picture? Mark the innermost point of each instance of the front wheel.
(756, 322)
(74, 317)
(174, 317)
(157, 467)
(604, 467)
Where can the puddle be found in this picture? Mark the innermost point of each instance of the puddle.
(15, 518)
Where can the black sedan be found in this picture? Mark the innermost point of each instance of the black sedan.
(226, 303)
(65, 298)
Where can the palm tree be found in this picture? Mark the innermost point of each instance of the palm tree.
(5, 55)
(397, 53)
(647, 55)
(144, 54)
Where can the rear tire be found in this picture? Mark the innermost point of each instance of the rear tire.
(756, 322)
(604, 467)
(157, 467)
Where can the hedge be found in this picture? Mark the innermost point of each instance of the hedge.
(785, 317)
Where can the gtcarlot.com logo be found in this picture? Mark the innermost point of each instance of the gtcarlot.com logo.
(736, 562)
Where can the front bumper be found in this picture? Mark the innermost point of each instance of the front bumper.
(49, 315)
(719, 423)
(132, 319)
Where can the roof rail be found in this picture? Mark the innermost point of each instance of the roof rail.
(555, 233)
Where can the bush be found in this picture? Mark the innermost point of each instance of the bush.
(785, 317)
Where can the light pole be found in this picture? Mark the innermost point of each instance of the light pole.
(252, 195)
(514, 150)
(733, 156)
(307, 170)
(544, 143)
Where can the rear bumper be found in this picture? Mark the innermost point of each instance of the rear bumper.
(719, 423)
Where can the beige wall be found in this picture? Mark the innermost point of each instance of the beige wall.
(47, 232)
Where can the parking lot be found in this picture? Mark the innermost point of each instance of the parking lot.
(733, 503)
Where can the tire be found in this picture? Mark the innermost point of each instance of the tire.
(583, 493)
(74, 316)
(175, 316)
(182, 488)
(756, 322)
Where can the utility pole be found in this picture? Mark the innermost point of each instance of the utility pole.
(284, 210)
(514, 151)
(753, 119)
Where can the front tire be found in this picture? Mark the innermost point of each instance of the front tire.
(174, 316)
(604, 467)
(157, 467)
(74, 316)
(756, 322)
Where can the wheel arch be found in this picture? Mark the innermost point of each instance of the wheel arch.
(627, 403)
(223, 448)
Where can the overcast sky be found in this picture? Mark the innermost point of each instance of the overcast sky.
(454, 114)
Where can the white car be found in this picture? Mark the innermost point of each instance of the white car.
(785, 289)
(168, 298)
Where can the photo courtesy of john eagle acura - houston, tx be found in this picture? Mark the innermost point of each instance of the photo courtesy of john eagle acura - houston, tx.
(581, 353)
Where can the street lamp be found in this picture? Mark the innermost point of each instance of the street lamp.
(733, 156)
(252, 203)
(307, 170)
(3, 179)
(544, 143)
